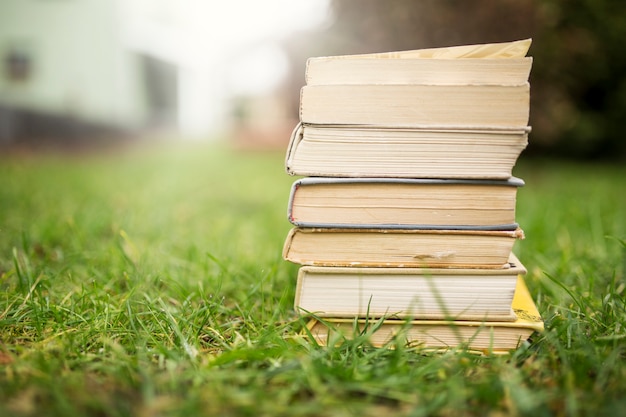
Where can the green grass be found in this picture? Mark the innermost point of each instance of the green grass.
(150, 283)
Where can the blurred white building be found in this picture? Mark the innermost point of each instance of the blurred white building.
(138, 63)
(67, 62)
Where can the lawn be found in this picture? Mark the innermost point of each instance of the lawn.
(150, 282)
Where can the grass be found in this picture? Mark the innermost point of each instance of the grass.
(150, 283)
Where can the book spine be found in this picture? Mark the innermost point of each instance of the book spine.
(294, 140)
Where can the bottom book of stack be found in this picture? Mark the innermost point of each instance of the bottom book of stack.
(450, 327)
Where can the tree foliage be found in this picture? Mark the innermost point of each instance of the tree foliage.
(578, 81)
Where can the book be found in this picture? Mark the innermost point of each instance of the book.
(481, 335)
(367, 151)
(432, 71)
(420, 293)
(495, 63)
(431, 248)
(404, 203)
(416, 105)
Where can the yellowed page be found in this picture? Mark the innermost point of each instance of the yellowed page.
(515, 49)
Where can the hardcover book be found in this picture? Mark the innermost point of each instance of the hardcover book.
(370, 69)
(416, 105)
(404, 203)
(420, 293)
(480, 335)
(400, 247)
(429, 152)
(496, 63)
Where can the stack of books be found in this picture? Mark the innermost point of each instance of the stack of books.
(404, 220)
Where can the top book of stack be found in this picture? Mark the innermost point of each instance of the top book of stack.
(357, 112)
(486, 64)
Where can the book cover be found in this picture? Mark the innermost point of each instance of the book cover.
(400, 247)
(404, 203)
(481, 335)
(420, 293)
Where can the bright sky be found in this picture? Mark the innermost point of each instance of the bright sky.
(219, 45)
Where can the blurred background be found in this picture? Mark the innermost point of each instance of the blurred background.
(86, 73)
